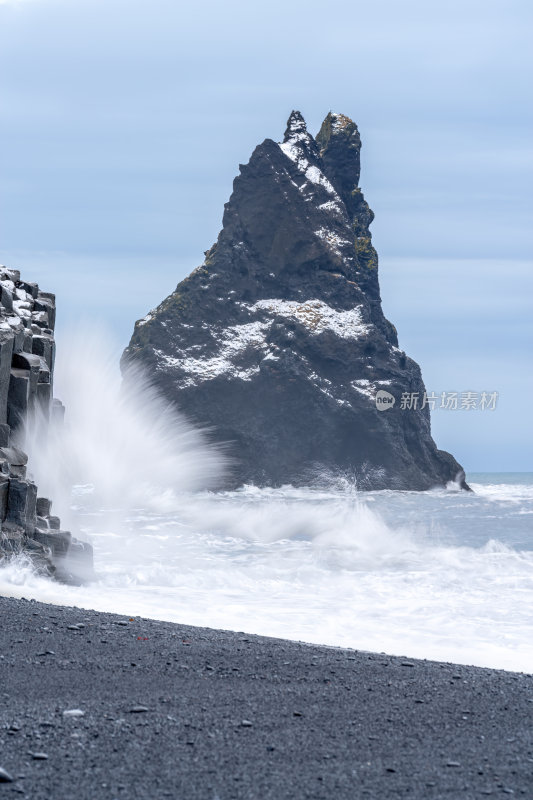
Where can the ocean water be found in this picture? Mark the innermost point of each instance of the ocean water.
(444, 574)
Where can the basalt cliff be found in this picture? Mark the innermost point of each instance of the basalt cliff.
(27, 352)
(277, 343)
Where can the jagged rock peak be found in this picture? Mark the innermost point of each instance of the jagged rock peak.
(298, 144)
(334, 158)
(296, 126)
(278, 343)
(338, 125)
(339, 145)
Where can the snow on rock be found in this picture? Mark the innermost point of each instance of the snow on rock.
(232, 343)
(339, 121)
(331, 207)
(317, 316)
(333, 240)
(300, 147)
(311, 172)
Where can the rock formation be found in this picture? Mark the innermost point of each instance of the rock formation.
(278, 343)
(27, 350)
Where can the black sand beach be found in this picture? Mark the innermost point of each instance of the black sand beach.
(181, 712)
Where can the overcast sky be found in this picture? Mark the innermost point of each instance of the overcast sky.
(123, 124)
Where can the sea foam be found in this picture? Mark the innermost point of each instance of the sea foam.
(440, 575)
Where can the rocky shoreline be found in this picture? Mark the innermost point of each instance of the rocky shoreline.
(97, 705)
(27, 356)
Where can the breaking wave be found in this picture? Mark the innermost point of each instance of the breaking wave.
(121, 442)
(442, 575)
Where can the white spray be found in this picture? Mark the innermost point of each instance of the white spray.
(121, 443)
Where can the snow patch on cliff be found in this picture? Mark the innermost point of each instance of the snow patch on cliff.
(233, 342)
(331, 207)
(333, 240)
(313, 174)
(317, 316)
(198, 363)
(365, 387)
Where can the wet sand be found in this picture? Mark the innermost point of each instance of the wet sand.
(175, 711)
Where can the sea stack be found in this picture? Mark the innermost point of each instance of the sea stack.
(277, 344)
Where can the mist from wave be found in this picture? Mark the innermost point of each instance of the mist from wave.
(121, 441)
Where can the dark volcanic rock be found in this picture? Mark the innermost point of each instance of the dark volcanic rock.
(278, 343)
(27, 349)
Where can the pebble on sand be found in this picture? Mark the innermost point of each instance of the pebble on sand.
(5, 777)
